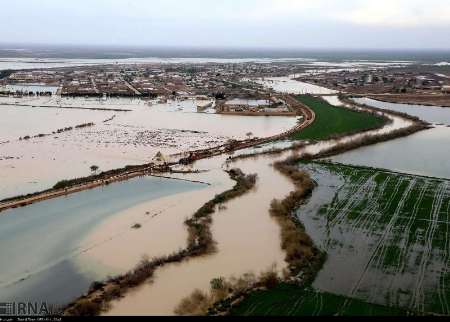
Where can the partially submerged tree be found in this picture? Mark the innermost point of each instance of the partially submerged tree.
(94, 168)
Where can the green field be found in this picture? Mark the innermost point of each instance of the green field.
(331, 120)
(291, 300)
(387, 240)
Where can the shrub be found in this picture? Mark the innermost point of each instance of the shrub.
(269, 279)
(195, 304)
(86, 308)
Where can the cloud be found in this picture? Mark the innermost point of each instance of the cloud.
(334, 23)
(283, 9)
(399, 13)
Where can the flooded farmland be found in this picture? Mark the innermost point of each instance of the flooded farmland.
(424, 153)
(432, 114)
(117, 139)
(385, 235)
(290, 85)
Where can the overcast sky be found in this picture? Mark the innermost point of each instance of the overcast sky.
(230, 23)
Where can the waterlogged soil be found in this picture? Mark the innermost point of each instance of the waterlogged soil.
(386, 236)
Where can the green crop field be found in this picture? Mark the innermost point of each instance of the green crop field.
(387, 240)
(291, 300)
(331, 120)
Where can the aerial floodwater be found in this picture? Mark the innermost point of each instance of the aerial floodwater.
(374, 224)
(425, 153)
(290, 85)
(432, 114)
(141, 185)
(55, 230)
(116, 139)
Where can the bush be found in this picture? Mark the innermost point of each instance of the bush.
(269, 279)
(86, 308)
(195, 304)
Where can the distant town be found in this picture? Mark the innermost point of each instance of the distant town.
(404, 83)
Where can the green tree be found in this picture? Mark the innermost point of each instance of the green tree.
(94, 168)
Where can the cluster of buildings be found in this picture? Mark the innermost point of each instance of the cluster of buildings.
(253, 106)
(218, 80)
(382, 81)
(208, 83)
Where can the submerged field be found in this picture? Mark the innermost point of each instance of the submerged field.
(116, 139)
(332, 121)
(386, 236)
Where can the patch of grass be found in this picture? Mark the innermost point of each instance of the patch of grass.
(334, 121)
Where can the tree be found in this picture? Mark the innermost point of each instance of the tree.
(249, 135)
(94, 168)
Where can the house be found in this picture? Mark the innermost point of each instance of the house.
(159, 158)
(446, 89)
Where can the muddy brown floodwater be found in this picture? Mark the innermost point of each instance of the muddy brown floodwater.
(247, 240)
(247, 237)
(127, 138)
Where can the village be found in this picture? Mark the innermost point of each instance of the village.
(378, 81)
(224, 87)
